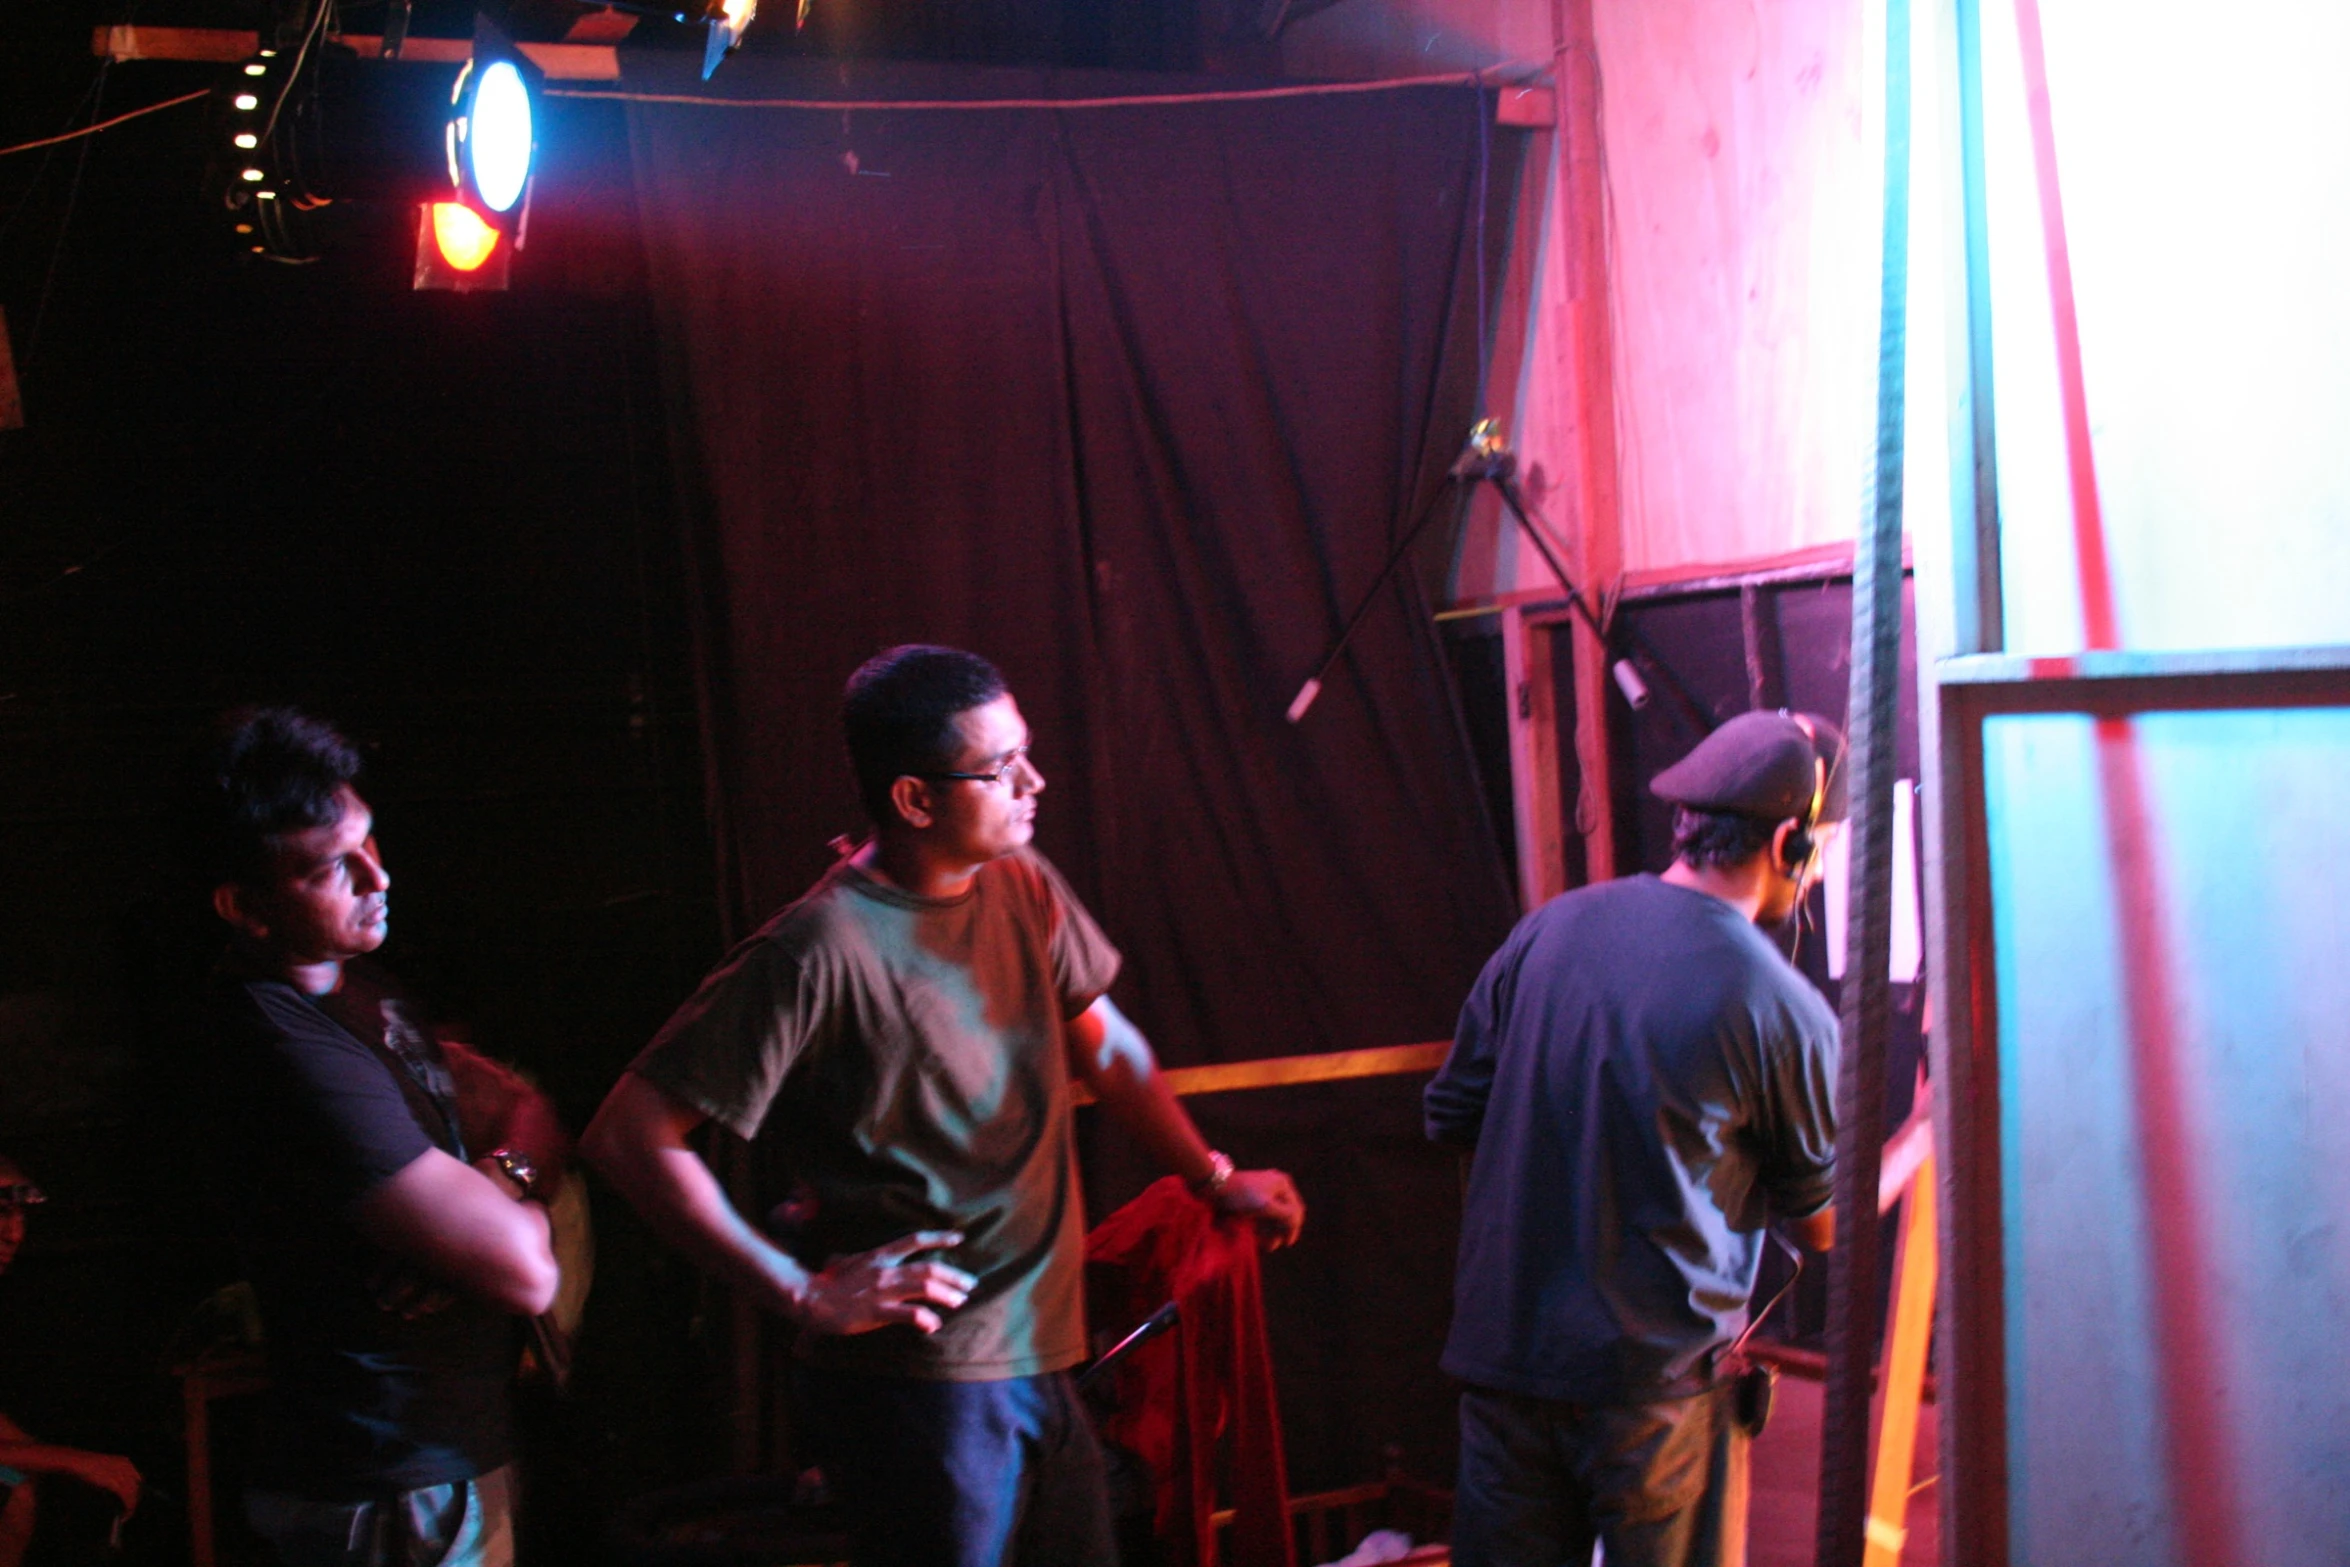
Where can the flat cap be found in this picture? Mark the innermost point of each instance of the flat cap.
(1764, 765)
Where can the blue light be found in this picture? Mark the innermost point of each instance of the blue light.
(498, 136)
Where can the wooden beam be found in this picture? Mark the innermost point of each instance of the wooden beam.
(1590, 377)
(174, 43)
(1818, 563)
(604, 26)
(1904, 1380)
(1531, 108)
(1961, 611)
(1964, 1046)
(2110, 666)
(564, 62)
(2119, 682)
(1758, 630)
(1979, 605)
(1333, 1066)
(1527, 660)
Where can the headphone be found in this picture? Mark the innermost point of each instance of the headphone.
(1796, 854)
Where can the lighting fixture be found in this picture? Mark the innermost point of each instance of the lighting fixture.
(418, 133)
(729, 20)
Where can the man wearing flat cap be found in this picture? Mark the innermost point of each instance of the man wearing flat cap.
(1644, 1084)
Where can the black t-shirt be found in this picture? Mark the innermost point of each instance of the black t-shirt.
(1645, 1081)
(309, 1102)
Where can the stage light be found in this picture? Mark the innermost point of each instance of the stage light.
(418, 133)
(729, 20)
(490, 134)
(462, 238)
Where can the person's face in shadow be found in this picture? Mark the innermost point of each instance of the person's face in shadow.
(326, 896)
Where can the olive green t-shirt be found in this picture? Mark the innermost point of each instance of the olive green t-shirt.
(906, 1059)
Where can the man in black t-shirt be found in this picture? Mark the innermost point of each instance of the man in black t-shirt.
(384, 1219)
(1644, 1082)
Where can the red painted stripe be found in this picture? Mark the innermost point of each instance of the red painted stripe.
(2097, 613)
(2198, 1448)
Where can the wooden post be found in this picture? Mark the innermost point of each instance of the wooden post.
(1534, 757)
(1904, 1380)
(1590, 377)
(1961, 613)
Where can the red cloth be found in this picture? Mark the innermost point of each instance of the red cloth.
(1209, 1382)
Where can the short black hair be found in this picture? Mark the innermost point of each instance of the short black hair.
(899, 714)
(260, 774)
(1720, 839)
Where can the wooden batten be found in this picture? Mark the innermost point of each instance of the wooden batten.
(563, 62)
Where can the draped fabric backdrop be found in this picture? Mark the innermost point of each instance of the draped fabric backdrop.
(1134, 400)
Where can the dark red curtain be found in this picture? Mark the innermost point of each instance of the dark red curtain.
(1134, 400)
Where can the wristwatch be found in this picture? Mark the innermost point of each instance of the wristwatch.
(1211, 1186)
(518, 1168)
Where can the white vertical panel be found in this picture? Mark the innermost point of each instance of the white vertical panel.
(2204, 158)
(1907, 950)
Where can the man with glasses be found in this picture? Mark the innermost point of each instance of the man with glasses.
(26, 1464)
(906, 1038)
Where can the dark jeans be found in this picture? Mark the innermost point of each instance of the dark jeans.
(961, 1474)
(1662, 1485)
(469, 1523)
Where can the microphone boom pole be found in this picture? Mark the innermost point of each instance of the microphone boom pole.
(1487, 457)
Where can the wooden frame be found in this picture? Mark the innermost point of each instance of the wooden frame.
(1971, 690)
(563, 62)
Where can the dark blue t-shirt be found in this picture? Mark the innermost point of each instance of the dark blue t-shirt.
(1645, 1080)
(311, 1103)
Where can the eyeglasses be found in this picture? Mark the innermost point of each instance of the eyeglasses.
(23, 1194)
(1013, 758)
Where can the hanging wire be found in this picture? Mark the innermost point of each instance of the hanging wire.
(294, 72)
(73, 194)
(107, 125)
(1059, 105)
(42, 173)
